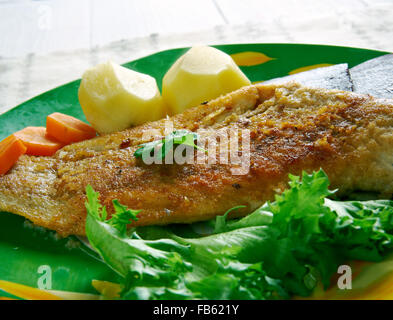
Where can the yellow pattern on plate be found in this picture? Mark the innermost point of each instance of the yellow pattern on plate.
(314, 66)
(26, 292)
(108, 290)
(250, 58)
(370, 281)
(29, 293)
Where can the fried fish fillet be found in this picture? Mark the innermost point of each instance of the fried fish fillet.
(292, 128)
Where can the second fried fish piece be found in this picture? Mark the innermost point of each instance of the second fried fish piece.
(332, 77)
(374, 77)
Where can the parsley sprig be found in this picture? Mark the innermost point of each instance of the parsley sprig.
(160, 148)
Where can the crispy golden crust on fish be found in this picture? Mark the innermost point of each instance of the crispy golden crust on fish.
(293, 128)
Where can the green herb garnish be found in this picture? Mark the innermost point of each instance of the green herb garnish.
(160, 148)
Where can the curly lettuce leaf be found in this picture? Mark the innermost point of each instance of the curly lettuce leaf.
(283, 248)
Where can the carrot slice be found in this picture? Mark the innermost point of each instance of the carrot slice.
(68, 129)
(11, 149)
(37, 142)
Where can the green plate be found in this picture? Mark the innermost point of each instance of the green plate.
(24, 249)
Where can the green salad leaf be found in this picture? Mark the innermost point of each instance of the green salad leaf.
(284, 248)
(120, 219)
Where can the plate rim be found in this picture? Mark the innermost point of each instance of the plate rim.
(212, 45)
